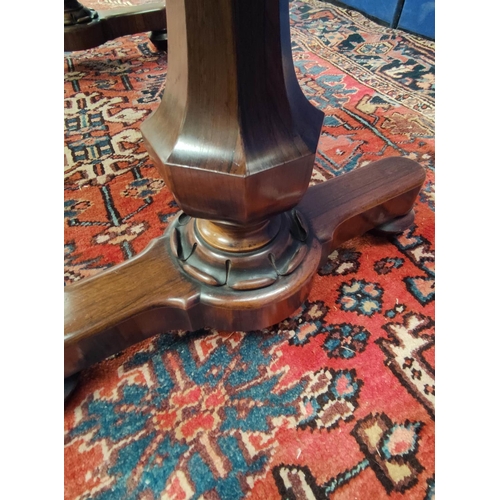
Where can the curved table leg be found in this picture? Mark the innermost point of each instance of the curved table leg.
(151, 293)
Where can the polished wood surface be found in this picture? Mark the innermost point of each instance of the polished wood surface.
(152, 293)
(364, 199)
(235, 140)
(234, 137)
(88, 28)
(95, 308)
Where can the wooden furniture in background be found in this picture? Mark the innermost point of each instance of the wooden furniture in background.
(85, 28)
(235, 140)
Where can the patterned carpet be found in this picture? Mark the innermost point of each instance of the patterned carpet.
(335, 402)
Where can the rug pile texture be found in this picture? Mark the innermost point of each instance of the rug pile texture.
(337, 401)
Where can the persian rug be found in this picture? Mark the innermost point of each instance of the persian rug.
(335, 402)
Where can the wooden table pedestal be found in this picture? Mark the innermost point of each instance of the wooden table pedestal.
(235, 141)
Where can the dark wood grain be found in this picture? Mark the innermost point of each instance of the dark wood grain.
(354, 203)
(110, 24)
(233, 137)
(147, 288)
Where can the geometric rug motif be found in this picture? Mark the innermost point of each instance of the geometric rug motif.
(410, 356)
(390, 450)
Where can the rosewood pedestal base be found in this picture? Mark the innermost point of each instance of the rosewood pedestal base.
(235, 140)
(182, 281)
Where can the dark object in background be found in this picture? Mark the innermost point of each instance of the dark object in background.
(415, 16)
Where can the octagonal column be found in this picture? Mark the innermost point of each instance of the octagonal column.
(234, 137)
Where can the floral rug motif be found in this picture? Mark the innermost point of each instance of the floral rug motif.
(335, 402)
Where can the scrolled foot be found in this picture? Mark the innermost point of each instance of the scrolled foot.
(396, 225)
(378, 197)
(70, 384)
